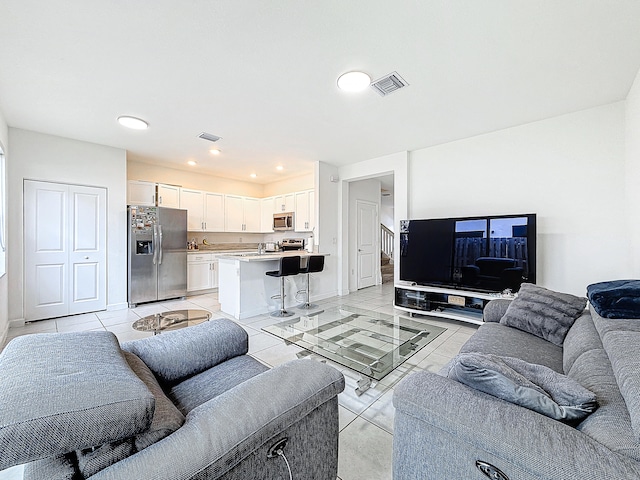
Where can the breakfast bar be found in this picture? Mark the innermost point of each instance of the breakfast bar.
(244, 288)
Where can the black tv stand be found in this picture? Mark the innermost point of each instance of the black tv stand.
(463, 305)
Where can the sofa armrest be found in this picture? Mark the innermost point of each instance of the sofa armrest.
(495, 310)
(438, 438)
(178, 354)
(222, 432)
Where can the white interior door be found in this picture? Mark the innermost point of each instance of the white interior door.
(64, 249)
(367, 241)
(87, 249)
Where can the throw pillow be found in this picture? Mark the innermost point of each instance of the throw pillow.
(543, 313)
(65, 391)
(535, 387)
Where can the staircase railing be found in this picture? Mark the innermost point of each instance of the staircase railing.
(386, 241)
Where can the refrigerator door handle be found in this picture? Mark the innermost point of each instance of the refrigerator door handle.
(155, 243)
(160, 253)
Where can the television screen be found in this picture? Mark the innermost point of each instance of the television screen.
(491, 253)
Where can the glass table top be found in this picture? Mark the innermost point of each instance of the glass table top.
(170, 320)
(371, 343)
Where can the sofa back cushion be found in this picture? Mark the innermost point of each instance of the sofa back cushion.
(166, 420)
(66, 391)
(610, 424)
(620, 340)
(581, 337)
(199, 348)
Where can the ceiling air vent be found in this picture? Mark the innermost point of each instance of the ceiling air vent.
(209, 136)
(389, 84)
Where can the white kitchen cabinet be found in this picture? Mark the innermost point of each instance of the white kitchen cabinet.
(305, 211)
(141, 193)
(202, 272)
(205, 210)
(242, 214)
(213, 212)
(192, 201)
(284, 203)
(168, 196)
(266, 214)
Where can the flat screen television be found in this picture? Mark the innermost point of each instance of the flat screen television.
(482, 254)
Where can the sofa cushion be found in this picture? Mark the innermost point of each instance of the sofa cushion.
(622, 350)
(581, 337)
(610, 425)
(166, 420)
(81, 392)
(498, 339)
(532, 386)
(209, 384)
(544, 313)
(198, 348)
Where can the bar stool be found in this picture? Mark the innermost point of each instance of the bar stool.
(315, 263)
(288, 266)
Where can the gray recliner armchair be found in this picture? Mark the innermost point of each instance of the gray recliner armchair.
(185, 404)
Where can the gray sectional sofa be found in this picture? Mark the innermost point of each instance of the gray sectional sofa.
(445, 429)
(181, 405)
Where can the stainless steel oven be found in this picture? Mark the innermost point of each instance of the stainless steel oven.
(283, 221)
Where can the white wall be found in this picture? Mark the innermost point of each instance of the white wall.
(54, 159)
(195, 180)
(326, 235)
(396, 164)
(295, 184)
(570, 170)
(632, 153)
(4, 315)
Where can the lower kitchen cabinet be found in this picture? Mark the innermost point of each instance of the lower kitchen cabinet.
(202, 272)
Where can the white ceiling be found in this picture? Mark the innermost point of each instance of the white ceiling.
(262, 74)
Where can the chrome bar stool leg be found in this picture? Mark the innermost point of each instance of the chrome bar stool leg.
(288, 266)
(315, 263)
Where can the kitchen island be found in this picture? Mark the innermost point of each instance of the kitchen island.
(244, 290)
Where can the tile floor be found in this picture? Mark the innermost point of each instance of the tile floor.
(366, 422)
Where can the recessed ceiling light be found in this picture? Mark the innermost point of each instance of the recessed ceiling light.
(253, 175)
(215, 151)
(193, 163)
(354, 81)
(279, 167)
(133, 122)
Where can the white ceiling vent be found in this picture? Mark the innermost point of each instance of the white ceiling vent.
(209, 136)
(389, 84)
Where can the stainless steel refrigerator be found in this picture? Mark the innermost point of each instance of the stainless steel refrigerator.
(157, 254)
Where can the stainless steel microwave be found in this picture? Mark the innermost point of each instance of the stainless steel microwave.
(283, 221)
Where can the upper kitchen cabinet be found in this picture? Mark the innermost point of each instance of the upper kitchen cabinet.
(266, 210)
(284, 203)
(168, 196)
(205, 210)
(305, 211)
(242, 214)
(141, 193)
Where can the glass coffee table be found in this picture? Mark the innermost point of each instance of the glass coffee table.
(370, 343)
(170, 320)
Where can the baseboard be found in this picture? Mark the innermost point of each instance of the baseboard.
(117, 306)
(16, 322)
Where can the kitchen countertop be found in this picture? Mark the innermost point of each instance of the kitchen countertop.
(255, 257)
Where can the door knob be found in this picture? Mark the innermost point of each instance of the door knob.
(86, 258)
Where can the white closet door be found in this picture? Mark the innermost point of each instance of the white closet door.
(64, 249)
(87, 249)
